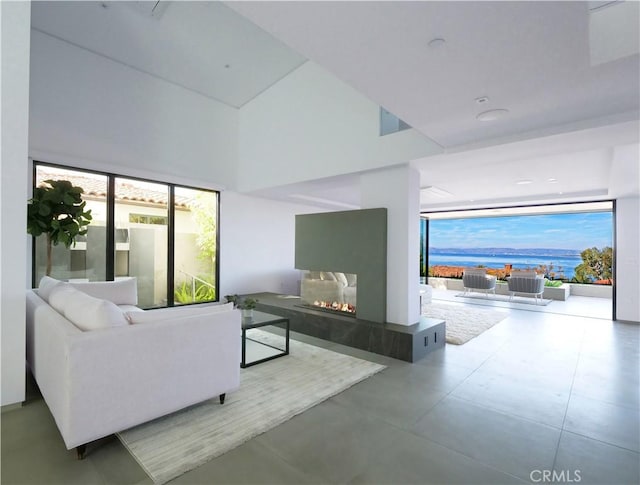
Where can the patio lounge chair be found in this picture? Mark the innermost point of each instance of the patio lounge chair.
(478, 279)
(527, 283)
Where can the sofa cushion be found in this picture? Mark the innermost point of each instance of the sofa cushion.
(351, 279)
(60, 295)
(121, 292)
(46, 285)
(341, 278)
(85, 311)
(89, 313)
(129, 308)
(161, 314)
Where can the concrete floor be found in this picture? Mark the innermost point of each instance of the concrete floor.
(581, 306)
(539, 391)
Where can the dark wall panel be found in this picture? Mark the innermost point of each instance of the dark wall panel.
(349, 242)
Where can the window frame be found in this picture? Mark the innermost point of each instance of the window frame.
(110, 227)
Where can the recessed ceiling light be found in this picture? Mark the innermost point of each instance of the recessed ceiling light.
(436, 42)
(482, 99)
(227, 66)
(492, 115)
(552, 180)
(524, 182)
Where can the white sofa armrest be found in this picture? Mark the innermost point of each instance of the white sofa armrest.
(103, 381)
(48, 335)
(125, 376)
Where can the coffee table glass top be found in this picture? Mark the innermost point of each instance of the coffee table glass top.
(254, 351)
(260, 319)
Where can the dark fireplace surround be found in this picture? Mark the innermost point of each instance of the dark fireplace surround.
(353, 242)
(348, 242)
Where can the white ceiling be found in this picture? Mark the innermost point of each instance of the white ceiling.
(572, 96)
(202, 46)
(570, 79)
(532, 58)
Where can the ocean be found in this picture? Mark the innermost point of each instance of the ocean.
(562, 259)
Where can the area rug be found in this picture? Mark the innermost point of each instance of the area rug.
(270, 393)
(527, 300)
(462, 323)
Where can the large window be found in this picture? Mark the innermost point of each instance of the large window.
(568, 243)
(424, 237)
(163, 234)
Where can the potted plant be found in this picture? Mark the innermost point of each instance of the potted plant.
(57, 210)
(247, 305)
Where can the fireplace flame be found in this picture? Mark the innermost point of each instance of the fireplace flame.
(336, 306)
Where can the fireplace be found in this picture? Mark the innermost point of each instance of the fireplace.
(336, 246)
(331, 291)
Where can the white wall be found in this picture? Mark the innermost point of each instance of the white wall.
(257, 245)
(311, 125)
(15, 18)
(89, 111)
(627, 284)
(398, 190)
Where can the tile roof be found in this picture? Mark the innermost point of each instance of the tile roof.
(96, 187)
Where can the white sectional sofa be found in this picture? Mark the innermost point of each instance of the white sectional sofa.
(127, 366)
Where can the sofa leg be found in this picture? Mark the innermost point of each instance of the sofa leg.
(222, 396)
(80, 450)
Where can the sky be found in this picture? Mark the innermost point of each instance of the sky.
(558, 231)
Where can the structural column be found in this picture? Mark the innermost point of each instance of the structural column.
(627, 283)
(398, 190)
(15, 18)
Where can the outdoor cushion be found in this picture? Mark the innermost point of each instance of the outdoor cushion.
(519, 284)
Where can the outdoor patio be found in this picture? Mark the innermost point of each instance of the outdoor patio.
(582, 306)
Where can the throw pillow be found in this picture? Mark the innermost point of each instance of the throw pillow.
(121, 292)
(351, 279)
(60, 295)
(89, 313)
(46, 286)
(160, 314)
(327, 276)
(341, 278)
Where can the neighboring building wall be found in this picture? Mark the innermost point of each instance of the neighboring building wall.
(627, 283)
(89, 111)
(15, 21)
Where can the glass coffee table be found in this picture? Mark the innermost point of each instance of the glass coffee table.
(261, 350)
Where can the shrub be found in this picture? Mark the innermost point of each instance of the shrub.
(203, 292)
